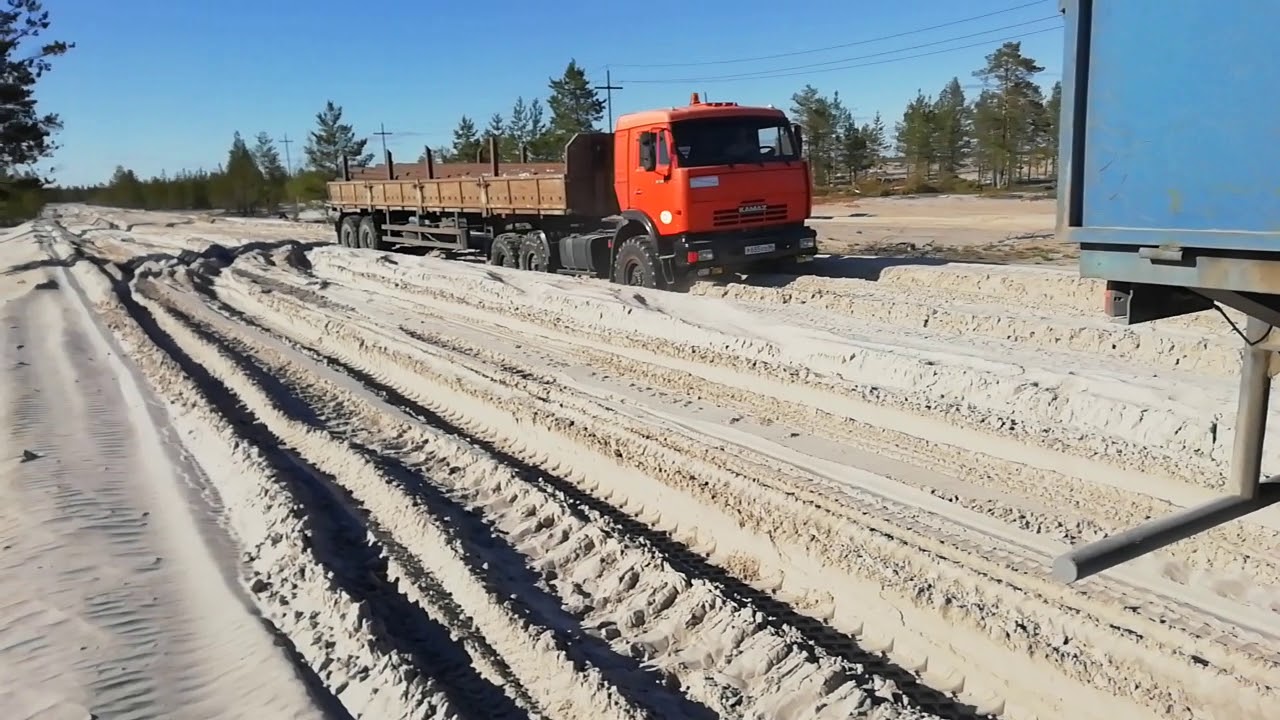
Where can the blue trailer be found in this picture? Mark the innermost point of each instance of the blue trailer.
(1169, 181)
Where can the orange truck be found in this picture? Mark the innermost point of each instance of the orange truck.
(670, 196)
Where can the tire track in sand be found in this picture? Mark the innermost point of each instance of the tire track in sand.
(567, 674)
(324, 334)
(114, 604)
(1207, 561)
(363, 351)
(302, 550)
(765, 665)
(971, 392)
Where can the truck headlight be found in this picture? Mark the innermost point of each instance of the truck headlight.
(806, 243)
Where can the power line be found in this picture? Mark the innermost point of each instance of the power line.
(841, 61)
(832, 47)
(767, 75)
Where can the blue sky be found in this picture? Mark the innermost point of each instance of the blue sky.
(162, 84)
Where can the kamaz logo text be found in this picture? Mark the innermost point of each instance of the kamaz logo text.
(751, 209)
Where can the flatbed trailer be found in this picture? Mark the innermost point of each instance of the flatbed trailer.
(660, 201)
(439, 200)
(1169, 152)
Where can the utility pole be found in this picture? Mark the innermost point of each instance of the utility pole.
(382, 131)
(608, 89)
(288, 163)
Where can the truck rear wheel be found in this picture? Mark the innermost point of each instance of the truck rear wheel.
(637, 264)
(505, 251)
(370, 234)
(348, 230)
(534, 255)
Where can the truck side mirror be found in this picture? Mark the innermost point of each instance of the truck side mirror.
(648, 154)
(799, 134)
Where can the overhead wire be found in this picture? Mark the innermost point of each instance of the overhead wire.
(856, 43)
(767, 75)
(842, 61)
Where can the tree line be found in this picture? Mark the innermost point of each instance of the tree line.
(1008, 132)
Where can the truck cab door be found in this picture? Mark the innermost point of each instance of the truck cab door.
(651, 188)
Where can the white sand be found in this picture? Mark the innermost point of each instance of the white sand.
(459, 490)
(115, 604)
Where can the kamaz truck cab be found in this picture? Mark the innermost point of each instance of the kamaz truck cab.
(713, 187)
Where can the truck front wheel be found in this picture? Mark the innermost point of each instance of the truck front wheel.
(637, 264)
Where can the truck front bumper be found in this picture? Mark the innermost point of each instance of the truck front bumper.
(714, 253)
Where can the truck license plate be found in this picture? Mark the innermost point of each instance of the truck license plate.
(757, 249)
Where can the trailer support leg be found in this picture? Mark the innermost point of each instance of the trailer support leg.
(1249, 495)
(1251, 412)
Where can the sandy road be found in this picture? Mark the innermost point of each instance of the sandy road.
(113, 603)
(462, 491)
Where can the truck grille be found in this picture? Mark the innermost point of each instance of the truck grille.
(749, 213)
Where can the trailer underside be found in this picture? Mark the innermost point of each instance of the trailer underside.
(1235, 279)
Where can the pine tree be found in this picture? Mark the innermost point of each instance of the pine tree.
(332, 139)
(273, 171)
(817, 115)
(518, 129)
(497, 129)
(576, 107)
(877, 139)
(1036, 149)
(466, 141)
(541, 146)
(1053, 126)
(1007, 109)
(950, 140)
(915, 136)
(124, 189)
(241, 185)
(25, 134)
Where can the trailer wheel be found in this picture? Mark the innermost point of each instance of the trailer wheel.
(369, 236)
(505, 251)
(534, 255)
(348, 231)
(637, 264)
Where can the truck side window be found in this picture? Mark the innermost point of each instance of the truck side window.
(664, 155)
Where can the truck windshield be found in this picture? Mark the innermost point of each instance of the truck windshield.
(729, 140)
